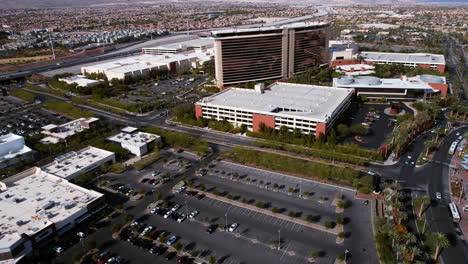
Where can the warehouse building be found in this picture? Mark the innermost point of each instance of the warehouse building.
(36, 206)
(269, 53)
(72, 164)
(134, 141)
(404, 88)
(312, 109)
(424, 60)
(13, 149)
(196, 45)
(139, 65)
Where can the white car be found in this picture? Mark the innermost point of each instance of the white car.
(175, 207)
(457, 134)
(233, 227)
(465, 207)
(58, 250)
(371, 173)
(438, 195)
(193, 214)
(181, 218)
(81, 234)
(146, 230)
(166, 215)
(460, 138)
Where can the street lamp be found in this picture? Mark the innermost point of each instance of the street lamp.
(279, 239)
(225, 227)
(346, 252)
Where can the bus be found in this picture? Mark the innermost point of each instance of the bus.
(453, 147)
(454, 212)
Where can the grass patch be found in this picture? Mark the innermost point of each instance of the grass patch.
(66, 108)
(24, 95)
(148, 160)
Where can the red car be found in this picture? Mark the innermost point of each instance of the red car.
(182, 259)
(151, 181)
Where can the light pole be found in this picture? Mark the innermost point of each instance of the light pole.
(225, 226)
(346, 252)
(279, 239)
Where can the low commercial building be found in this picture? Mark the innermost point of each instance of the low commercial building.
(342, 52)
(79, 80)
(312, 109)
(404, 88)
(142, 64)
(135, 142)
(355, 69)
(57, 133)
(424, 60)
(197, 45)
(35, 206)
(73, 164)
(12, 149)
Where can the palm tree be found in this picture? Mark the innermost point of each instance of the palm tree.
(438, 131)
(430, 145)
(414, 251)
(401, 216)
(441, 242)
(409, 238)
(424, 199)
(394, 236)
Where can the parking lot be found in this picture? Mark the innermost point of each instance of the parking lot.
(380, 124)
(28, 122)
(166, 89)
(8, 103)
(258, 238)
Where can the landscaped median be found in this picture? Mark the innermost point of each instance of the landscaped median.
(301, 168)
(335, 230)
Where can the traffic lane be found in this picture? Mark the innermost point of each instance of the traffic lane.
(275, 199)
(260, 226)
(223, 245)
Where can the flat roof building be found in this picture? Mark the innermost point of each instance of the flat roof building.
(79, 80)
(141, 64)
(135, 142)
(36, 205)
(269, 53)
(424, 60)
(404, 88)
(197, 45)
(56, 133)
(12, 148)
(312, 109)
(73, 164)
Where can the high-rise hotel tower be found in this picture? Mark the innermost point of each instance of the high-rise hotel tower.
(269, 53)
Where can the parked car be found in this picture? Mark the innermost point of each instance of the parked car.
(170, 255)
(233, 227)
(155, 173)
(168, 213)
(193, 214)
(175, 207)
(181, 218)
(81, 235)
(171, 240)
(211, 229)
(438, 195)
(58, 250)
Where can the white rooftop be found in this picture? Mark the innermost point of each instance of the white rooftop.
(420, 58)
(72, 162)
(417, 82)
(284, 99)
(12, 145)
(142, 62)
(129, 129)
(68, 129)
(260, 29)
(137, 139)
(80, 80)
(194, 43)
(23, 203)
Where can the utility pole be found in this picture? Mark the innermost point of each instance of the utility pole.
(52, 46)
